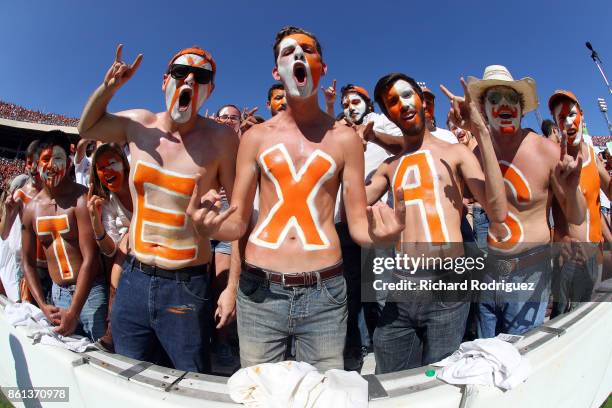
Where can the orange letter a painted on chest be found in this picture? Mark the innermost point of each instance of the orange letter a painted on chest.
(160, 228)
(55, 226)
(417, 174)
(296, 193)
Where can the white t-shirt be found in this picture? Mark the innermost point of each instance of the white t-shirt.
(81, 171)
(10, 260)
(445, 135)
(115, 218)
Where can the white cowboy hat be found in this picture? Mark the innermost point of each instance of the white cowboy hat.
(499, 75)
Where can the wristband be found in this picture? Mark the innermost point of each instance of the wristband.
(101, 237)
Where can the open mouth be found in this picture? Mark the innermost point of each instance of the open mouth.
(408, 115)
(505, 116)
(110, 179)
(184, 99)
(572, 132)
(299, 72)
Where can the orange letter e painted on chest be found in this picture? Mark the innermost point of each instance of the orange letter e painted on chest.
(521, 192)
(417, 174)
(160, 228)
(296, 193)
(55, 226)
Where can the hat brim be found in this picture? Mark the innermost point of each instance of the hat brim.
(525, 86)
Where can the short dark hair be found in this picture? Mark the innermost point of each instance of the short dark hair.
(287, 31)
(32, 148)
(387, 82)
(272, 88)
(54, 138)
(547, 127)
(228, 105)
(350, 88)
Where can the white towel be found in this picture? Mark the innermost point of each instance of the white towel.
(292, 384)
(40, 329)
(485, 362)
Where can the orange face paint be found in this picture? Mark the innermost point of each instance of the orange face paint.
(569, 118)
(299, 65)
(52, 165)
(296, 193)
(278, 102)
(404, 107)
(184, 99)
(110, 171)
(56, 226)
(416, 173)
(161, 227)
(521, 192)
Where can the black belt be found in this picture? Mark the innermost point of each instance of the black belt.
(295, 279)
(183, 274)
(507, 264)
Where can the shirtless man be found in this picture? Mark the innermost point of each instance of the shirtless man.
(176, 156)
(418, 329)
(277, 102)
(58, 217)
(292, 283)
(14, 206)
(579, 271)
(534, 169)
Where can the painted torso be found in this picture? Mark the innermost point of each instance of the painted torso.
(298, 184)
(57, 231)
(162, 179)
(590, 229)
(527, 174)
(433, 192)
(26, 194)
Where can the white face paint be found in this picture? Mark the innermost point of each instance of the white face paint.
(354, 107)
(503, 109)
(194, 94)
(405, 108)
(52, 165)
(294, 67)
(569, 119)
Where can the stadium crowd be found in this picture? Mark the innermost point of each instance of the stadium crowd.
(16, 112)
(243, 236)
(9, 168)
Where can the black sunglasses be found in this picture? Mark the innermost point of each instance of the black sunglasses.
(201, 75)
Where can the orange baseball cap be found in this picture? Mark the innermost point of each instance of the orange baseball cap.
(561, 93)
(196, 51)
(358, 89)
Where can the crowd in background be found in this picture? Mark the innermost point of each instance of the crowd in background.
(9, 168)
(15, 112)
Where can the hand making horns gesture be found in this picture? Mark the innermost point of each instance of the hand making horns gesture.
(386, 224)
(120, 72)
(568, 169)
(205, 211)
(330, 93)
(464, 112)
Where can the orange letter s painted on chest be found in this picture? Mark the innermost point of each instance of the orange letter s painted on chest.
(521, 191)
(55, 226)
(422, 190)
(296, 192)
(160, 228)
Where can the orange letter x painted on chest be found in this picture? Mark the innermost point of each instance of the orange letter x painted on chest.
(422, 190)
(296, 193)
(161, 232)
(55, 226)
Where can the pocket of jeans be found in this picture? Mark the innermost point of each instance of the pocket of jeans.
(248, 286)
(335, 290)
(197, 288)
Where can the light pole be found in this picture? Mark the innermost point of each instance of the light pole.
(597, 61)
(603, 108)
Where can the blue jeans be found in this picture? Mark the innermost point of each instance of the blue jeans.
(481, 227)
(269, 313)
(515, 312)
(93, 315)
(151, 312)
(574, 284)
(419, 332)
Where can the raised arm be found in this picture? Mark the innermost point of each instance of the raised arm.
(604, 178)
(486, 184)
(330, 99)
(10, 209)
(565, 181)
(96, 123)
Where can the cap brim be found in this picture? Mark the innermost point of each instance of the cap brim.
(525, 86)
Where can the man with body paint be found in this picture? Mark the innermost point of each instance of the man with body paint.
(429, 104)
(534, 169)
(176, 157)
(14, 206)
(579, 272)
(292, 282)
(433, 175)
(58, 217)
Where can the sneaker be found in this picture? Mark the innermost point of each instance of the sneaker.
(353, 358)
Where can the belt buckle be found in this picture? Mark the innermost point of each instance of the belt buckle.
(505, 267)
(283, 282)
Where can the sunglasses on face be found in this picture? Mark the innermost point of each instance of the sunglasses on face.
(201, 75)
(495, 97)
(232, 118)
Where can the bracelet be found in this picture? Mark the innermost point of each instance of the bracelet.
(101, 237)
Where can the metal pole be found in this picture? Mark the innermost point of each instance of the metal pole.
(608, 122)
(599, 64)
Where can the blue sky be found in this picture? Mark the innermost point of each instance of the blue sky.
(54, 53)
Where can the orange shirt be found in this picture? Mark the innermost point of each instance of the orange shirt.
(590, 185)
